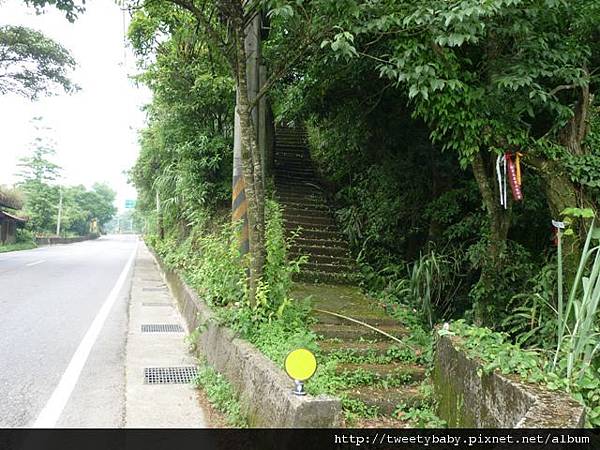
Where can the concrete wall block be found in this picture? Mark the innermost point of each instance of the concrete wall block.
(466, 399)
(265, 391)
(59, 240)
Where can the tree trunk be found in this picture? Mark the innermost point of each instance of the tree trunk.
(251, 165)
(499, 220)
(559, 190)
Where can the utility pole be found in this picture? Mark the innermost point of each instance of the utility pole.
(159, 223)
(60, 203)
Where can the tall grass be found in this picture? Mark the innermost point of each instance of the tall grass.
(577, 337)
(432, 284)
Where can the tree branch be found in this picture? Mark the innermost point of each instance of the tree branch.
(281, 71)
(205, 22)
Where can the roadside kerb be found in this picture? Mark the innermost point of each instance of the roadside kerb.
(264, 390)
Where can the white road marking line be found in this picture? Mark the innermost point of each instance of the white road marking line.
(36, 263)
(59, 398)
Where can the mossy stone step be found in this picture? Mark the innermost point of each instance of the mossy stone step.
(409, 372)
(305, 212)
(355, 332)
(295, 161)
(374, 320)
(320, 257)
(301, 241)
(305, 207)
(290, 144)
(292, 157)
(317, 258)
(327, 268)
(363, 349)
(282, 172)
(301, 190)
(316, 250)
(320, 221)
(308, 201)
(292, 176)
(387, 400)
(313, 233)
(301, 193)
(301, 165)
(316, 277)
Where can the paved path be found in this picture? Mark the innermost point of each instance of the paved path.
(63, 328)
(157, 405)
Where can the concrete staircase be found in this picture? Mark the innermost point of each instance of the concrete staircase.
(306, 213)
(382, 375)
(377, 372)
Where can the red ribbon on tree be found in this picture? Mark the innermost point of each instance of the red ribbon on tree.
(515, 186)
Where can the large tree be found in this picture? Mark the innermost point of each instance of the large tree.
(41, 198)
(491, 77)
(70, 8)
(223, 28)
(32, 64)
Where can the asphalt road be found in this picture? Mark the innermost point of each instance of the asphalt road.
(49, 299)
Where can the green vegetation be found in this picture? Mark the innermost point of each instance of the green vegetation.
(17, 246)
(32, 64)
(420, 417)
(535, 366)
(43, 197)
(210, 261)
(220, 394)
(410, 108)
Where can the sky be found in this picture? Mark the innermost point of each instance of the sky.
(94, 130)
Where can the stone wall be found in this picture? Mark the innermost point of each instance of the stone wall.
(467, 399)
(265, 391)
(61, 240)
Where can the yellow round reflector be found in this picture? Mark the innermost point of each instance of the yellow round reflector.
(300, 364)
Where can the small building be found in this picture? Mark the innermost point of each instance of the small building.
(9, 222)
(8, 227)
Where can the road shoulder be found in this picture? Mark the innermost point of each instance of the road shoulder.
(169, 405)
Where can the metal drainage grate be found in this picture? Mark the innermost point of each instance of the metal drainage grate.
(156, 304)
(155, 289)
(170, 375)
(162, 328)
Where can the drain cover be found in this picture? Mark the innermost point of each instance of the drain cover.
(169, 375)
(156, 304)
(161, 328)
(154, 289)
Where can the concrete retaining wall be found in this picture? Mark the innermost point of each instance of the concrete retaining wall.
(466, 399)
(265, 391)
(60, 240)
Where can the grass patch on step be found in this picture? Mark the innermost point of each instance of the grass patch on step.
(220, 394)
(422, 415)
(17, 247)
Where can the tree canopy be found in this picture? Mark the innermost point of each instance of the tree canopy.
(466, 81)
(32, 64)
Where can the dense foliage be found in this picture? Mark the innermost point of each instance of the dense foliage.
(185, 160)
(44, 196)
(32, 64)
(408, 104)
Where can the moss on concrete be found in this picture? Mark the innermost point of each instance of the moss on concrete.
(346, 299)
(468, 397)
